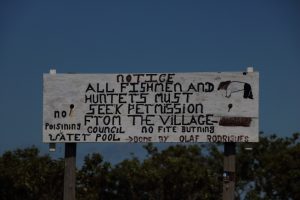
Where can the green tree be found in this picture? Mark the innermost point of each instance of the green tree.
(24, 174)
(271, 170)
(179, 172)
(93, 179)
(128, 180)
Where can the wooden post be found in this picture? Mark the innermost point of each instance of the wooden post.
(70, 171)
(229, 171)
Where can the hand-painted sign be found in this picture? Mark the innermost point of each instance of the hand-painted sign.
(149, 107)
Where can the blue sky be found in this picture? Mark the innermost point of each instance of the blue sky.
(144, 36)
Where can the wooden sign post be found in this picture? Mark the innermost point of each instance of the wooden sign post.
(229, 171)
(70, 171)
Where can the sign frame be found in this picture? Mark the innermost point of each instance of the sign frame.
(227, 102)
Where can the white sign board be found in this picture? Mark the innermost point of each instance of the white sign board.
(148, 107)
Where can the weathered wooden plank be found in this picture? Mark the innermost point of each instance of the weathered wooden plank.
(163, 107)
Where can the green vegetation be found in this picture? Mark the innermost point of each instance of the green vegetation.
(270, 171)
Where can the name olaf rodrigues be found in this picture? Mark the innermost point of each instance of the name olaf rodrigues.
(151, 103)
